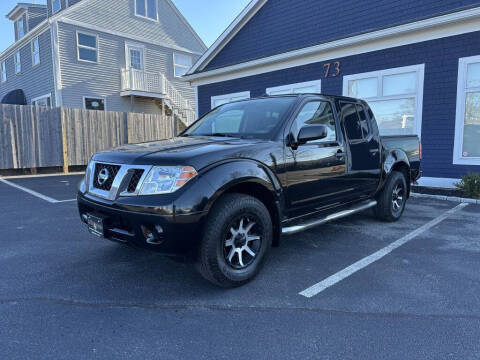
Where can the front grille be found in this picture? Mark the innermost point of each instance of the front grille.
(109, 175)
(137, 175)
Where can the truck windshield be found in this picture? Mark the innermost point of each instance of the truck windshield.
(257, 118)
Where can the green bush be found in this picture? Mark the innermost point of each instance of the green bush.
(470, 185)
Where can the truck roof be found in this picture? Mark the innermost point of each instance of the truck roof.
(332, 97)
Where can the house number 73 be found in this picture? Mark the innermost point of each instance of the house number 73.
(332, 69)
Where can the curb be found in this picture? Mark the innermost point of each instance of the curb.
(446, 198)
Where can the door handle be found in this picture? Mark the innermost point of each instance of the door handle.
(340, 155)
(374, 151)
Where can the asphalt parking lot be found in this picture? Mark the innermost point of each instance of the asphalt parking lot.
(408, 290)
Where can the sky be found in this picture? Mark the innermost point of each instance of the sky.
(208, 17)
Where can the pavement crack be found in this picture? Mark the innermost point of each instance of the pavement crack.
(228, 308)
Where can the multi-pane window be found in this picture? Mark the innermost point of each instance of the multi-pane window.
(310, 87)
(20, 28)
(467, 133)
(35, 52)
(3, 72)
(87, 47)
(91, 103)
(56, 6)
(17, 62)
(395, 96)
(136, 58)
(146, 8)
(228, 98)
(317, 113)
(181, 64)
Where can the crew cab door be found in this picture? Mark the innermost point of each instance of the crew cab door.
(315, 171)
(364, 153)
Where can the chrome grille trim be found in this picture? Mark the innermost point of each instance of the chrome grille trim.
(120, 182)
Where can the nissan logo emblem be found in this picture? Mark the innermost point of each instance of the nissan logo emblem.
(103, 176)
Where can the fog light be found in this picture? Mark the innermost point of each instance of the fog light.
(150, 236)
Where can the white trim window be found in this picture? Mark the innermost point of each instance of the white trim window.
(135, 55)
(146, 9)
(56, 6)
(309, 87)
(87, 47)
(181, 64)
(467, 124)
(35, 52)
(43, 101)
(20, 28)
(395, 96)
(3, 71)
(228, 98)
(17, 62)
(94, 103)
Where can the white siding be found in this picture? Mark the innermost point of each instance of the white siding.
(119, 15)
(34, 81)
(104, 78)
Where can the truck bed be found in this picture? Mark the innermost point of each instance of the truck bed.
(408, 143)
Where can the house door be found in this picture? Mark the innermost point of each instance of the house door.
(135, 57)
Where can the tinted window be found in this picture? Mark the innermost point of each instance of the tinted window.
(363, 121)
(318, 113)
(252, 118)
(94, 104)
(352, 123)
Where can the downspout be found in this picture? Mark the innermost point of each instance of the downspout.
(57, 74)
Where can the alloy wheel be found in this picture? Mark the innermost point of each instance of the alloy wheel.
(242, 242)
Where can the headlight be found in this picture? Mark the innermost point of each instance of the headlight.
(167, 179)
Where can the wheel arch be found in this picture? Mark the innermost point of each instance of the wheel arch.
(253, 179)
(397, 160)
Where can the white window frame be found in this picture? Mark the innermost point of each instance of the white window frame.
(136, 46)
(36, 39)
(59, 6)
(462, 90)
(243, 94)
(46, 96)
(88, 47)
(3, 71)
(146, 11)
(175, 65)
(380, 74)
(317, 83)
(18, 21)
(17, 62)
(96, 98)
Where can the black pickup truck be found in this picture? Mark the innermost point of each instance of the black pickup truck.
(226, 189)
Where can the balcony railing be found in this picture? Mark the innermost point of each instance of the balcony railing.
(158, 84)
(139, 80)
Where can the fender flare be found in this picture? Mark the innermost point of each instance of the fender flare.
(225, 175)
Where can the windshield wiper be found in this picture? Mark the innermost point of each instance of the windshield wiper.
(218, 135)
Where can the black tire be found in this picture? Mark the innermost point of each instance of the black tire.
(391, 202)
(230, 212)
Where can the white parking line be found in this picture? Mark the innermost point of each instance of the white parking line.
(34, 193)
(352, 269)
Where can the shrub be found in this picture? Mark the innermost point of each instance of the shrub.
(470, 185)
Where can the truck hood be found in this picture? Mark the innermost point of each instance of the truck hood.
(188, 151)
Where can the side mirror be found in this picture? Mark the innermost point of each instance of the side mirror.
(312, 133)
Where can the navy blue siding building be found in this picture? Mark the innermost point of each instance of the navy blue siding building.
(416, 63)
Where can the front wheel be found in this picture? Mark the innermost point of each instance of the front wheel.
(393, 198)
(237, 236)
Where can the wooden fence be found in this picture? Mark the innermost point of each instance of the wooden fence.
(36, 137)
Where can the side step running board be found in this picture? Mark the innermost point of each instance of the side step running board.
(312, 223)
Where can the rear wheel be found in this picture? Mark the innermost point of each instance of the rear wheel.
(238, 234)
(393, 198)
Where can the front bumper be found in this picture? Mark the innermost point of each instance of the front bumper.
(133, 223)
